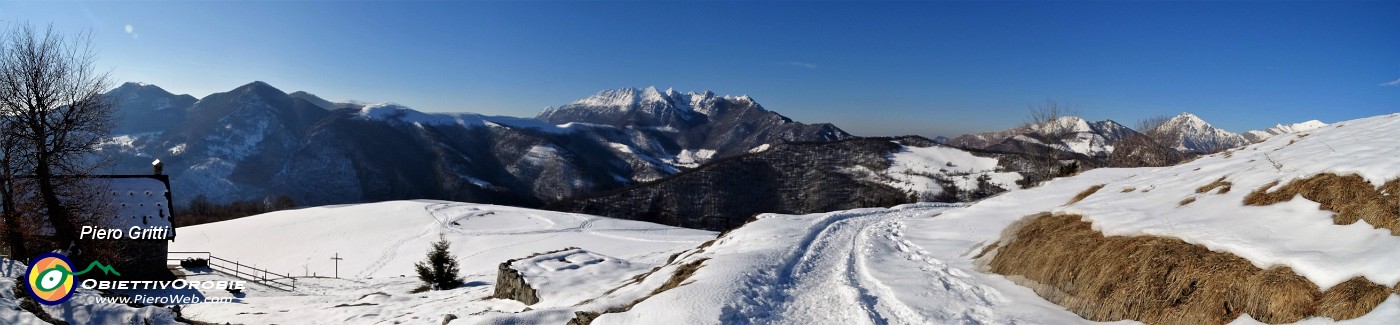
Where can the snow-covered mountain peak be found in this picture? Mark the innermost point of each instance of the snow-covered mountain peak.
(377, 111)
(399, 113)
(650, 100)
(1193, 134)
(1066, 124)
(1188, 120)
(134, 84)
(1297, 127)
(625, 98)
(1277, 129)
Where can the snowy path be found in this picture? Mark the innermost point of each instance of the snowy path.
(855, 268)
(860, 270)
(865, 266)
(832, 269)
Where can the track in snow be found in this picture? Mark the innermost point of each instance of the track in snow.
(854, 268)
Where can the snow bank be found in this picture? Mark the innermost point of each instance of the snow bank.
(1294, 233)
(571, 276)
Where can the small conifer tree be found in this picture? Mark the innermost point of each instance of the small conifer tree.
(439, 271)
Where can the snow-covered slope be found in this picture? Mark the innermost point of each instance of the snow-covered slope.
(1191, 134)
(1296, 233)
(1277, 129)
(1184, 202)
(926, 170)
(380, 242)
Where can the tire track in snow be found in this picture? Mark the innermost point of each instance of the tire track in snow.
(814, 282)
(828, 270)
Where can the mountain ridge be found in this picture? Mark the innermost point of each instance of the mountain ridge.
(256, 141)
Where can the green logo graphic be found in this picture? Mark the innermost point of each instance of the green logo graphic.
(51, 277)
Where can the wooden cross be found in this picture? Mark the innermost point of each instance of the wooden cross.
(337, 264)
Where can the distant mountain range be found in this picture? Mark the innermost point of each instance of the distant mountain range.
(257, 141)
(1277, 129)
(692, 159)
(1185, 133)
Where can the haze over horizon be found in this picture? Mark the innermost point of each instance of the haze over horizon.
(870, 68)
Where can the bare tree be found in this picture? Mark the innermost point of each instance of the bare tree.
(1148, 148)
(1151, 126)
(1045, 123)
(1151, 123)
(10, 162)
(52, 96)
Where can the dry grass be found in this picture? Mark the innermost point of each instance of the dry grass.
(1157, 280)
(1351, 299)
(986, 250)
(1278, 295)
(1219, 183)
(1186, 201)
(678, 278)
(1350, 196)
(1086, 193)
(1129, 189)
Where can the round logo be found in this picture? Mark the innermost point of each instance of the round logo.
(51, 279)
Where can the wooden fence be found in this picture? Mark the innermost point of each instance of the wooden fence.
(284, 282)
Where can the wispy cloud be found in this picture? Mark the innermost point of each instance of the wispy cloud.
(1392, 83)
(803, 65)
(132, 31)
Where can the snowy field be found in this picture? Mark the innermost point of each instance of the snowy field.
(380, 242)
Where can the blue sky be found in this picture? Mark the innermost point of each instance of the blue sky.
(930, 68)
